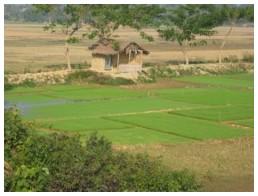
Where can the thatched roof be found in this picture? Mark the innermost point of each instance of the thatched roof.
(105, 47)
(133, 46)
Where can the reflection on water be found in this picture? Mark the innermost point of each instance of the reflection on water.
(25, 107)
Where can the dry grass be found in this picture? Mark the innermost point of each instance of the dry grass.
(221, 165)
(28, 46)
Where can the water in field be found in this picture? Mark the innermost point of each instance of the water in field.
(24, 107)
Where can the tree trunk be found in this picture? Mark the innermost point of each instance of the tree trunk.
(185, 56)
(224, 42)
(117, 63)
(67, 55)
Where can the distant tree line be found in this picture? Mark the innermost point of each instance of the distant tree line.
(28, 13)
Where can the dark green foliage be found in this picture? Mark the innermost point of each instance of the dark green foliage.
(55, 67)
(28, 83)
(106, 19)
(15, 131)
(187, 21)
(8, 86)
(97, 78)
(29, 179)
(248, 58)
(231, 59)
(59, 162)
(155, 73)
(148, 64)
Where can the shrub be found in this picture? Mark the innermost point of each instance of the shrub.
(149, 64)
(249, 58)
(29, 179)
(231, 59)
(155, 73)
(28, 83)
(15, 130)
(27, 69)
(61, 154)
(7, 85)
(97, 78)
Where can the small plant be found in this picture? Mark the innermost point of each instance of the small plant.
(28, 83)
(249, 58)
(27, 70)
(149, 64)
(231, 59)
(8, 86)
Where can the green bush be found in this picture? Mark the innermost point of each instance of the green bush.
(28, 83)
(25, 83)
(231, 59)
(97, 78)
(15, 131)
(155, 73)
(29, 179)
(249, 58)
(149, 64)
(7, 85)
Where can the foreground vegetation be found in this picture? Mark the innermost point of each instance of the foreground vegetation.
(60, 163)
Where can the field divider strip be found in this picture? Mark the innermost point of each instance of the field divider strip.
(81, 130)
(235, 125)
(130, 113)
(152, 129)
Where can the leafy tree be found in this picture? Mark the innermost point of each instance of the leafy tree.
(106, 19)
(70, 23)
(45, 9)
(184, 23)
(231, 15)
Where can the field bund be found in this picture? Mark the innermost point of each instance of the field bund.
(54, 77)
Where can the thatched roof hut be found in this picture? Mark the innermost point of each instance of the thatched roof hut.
(123, 57)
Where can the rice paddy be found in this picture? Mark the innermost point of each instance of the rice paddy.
(151, 116)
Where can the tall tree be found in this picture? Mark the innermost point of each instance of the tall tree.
(70, 23)
(231, 14)
(106, 19)
(184, 23)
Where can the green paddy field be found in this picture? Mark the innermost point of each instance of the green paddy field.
(215, 107)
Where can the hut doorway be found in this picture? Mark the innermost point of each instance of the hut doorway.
(108, 62)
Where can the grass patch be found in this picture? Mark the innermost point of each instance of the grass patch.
(232, 80)
(207, 96)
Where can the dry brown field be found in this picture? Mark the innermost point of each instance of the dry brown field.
(27, 46)
(220, 165)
